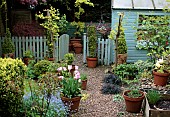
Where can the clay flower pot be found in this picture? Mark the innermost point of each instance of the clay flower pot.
(160, 78)
(78, 47)
(71, 103)
(91, 62)
(133, 105)
(84, 84)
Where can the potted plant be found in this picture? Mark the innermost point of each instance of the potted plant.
(161, 72)
(8, 47)
(92, 46)
(71, 89)
(28, 55)
(122, 47)
(133, 100)
(156, 104)
(83, 78)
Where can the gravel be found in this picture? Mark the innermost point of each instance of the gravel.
(98, 104)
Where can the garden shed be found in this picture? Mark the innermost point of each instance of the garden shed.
(133, 10)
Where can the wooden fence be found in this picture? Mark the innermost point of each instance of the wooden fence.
(39, 46)
(105, 51)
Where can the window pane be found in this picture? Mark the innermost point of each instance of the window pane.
(122, 3)
(143, 4)
(160, 4)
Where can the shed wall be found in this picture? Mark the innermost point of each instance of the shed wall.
(130, 21)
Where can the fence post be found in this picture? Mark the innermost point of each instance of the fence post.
(84, 47)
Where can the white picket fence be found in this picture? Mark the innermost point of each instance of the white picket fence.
(105, 49)
(38, 46)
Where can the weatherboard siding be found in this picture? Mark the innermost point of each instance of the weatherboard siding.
(130, 21)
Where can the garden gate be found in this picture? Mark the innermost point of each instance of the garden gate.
(105, 51)
(39, 46)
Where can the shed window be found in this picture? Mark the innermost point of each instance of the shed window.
(149, 28)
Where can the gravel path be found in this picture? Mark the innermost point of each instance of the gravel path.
(97, 104)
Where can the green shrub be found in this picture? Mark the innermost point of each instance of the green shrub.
(12, 72)
(153, 96)
(41, 67)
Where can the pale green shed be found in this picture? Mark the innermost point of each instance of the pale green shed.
(133, 9)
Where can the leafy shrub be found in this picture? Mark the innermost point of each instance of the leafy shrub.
(126, 71)
(112, 78)
(12, 73)
(41, 67)
(28, 29)
(30, 70)
(153, 96)
(110, 89)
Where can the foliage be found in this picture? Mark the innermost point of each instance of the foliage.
(162, 65)
(122, 47)
(110, 89)
(53, 67)
(144, 68)
(53, 24)
(153, 96)
(79, 28)
(28, 29)
(83, 77)
(12, 72)
(117, 98)
(155, 32)
(41, 67)
(79, 4)
(8, 45)
(112, 79)
(30, 70)
(134, 93)
(92, 37)
(28, 54)
(126, 71)
(69, 58)
(42, 99)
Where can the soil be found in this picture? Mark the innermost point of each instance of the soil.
(163, 104)
(98, 104)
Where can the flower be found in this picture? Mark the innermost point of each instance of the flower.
(71, 85)
(161, 66)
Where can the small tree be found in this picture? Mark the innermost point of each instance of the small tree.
(52, 24)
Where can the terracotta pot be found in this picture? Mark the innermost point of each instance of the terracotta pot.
(91, 62)
(26, 60)
(84, 84)
(78, 48)
(160, 78)
(71, 103)
(11, 55)
(51, 59)
(121, 58)
(133, 105)
(74, 40)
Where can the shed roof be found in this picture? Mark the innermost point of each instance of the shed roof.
(140, 4)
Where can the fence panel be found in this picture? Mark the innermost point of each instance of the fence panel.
(38, 46)
(104, 51)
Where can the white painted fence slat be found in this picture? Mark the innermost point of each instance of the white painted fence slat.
(38, 45)
(104, 52)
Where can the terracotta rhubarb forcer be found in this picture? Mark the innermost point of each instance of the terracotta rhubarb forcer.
(160, 78)
(78, 47)
(71, 103)
(92, 62)
(133, 105)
